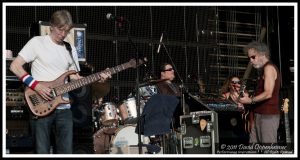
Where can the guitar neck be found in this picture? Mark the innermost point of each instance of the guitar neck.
(287, 128)
(89, 79)
(244, 81)
(248, 71)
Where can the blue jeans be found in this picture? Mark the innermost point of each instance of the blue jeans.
(62, 119)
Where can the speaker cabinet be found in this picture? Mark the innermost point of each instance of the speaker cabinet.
(232, 128)
(82, 106)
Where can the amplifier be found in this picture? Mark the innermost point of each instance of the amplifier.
(19, 142)
(199, 132)
(15, 98)
(17, 128)
(9, 75)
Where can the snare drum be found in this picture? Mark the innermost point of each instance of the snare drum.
(109, 114)
(128, 109)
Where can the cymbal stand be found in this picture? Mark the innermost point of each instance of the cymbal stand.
(138, 56)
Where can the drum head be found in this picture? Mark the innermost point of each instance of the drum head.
(126, 136)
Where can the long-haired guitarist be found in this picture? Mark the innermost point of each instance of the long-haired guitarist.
(265, 102)
(50, 57)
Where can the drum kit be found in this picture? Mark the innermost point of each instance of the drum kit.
(115, 124)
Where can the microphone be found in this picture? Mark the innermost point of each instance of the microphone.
(111, 17)
(160, 41)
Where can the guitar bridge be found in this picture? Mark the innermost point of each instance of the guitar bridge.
(34, 100)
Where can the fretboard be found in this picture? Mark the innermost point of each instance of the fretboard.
(287, 128)
(89, 79)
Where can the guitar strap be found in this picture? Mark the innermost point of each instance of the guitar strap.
(69, 48)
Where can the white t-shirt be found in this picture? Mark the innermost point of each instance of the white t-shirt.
(49, 60)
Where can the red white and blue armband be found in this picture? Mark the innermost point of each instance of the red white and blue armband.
(29, 81)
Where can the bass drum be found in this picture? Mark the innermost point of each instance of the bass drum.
(126, 136)
(101, 140)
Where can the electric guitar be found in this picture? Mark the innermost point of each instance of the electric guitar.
(246, 113)
(246, 120)
(285, 109)
(41, 107)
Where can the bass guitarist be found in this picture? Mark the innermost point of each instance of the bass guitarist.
(50, 57)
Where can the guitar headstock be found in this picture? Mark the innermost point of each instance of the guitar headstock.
(285, 106)
(132, 63)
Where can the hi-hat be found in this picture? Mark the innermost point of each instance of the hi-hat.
(100, 89)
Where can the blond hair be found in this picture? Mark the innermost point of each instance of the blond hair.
(61, 18)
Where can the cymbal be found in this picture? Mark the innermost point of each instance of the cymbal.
(152, 82)
(100, 89)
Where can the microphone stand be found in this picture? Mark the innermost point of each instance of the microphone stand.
(137, 87)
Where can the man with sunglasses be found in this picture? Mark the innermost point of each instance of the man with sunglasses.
(264, 104)
(166, 86)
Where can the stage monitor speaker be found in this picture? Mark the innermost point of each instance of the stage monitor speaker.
(82, 106)
(232, 128)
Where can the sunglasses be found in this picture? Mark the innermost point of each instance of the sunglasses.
(235, 82)
(252, 57)
(170, 69)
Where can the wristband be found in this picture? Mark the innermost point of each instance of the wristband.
(29, 81)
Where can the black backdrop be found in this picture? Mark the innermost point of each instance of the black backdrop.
(191, 35)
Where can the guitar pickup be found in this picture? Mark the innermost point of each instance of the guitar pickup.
(34, 100)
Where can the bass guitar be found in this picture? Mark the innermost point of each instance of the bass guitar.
(41, 107)
(285, 108)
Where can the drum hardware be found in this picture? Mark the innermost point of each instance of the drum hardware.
(152, 82)
(101, 140)
(109, 137)
(147, 91)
